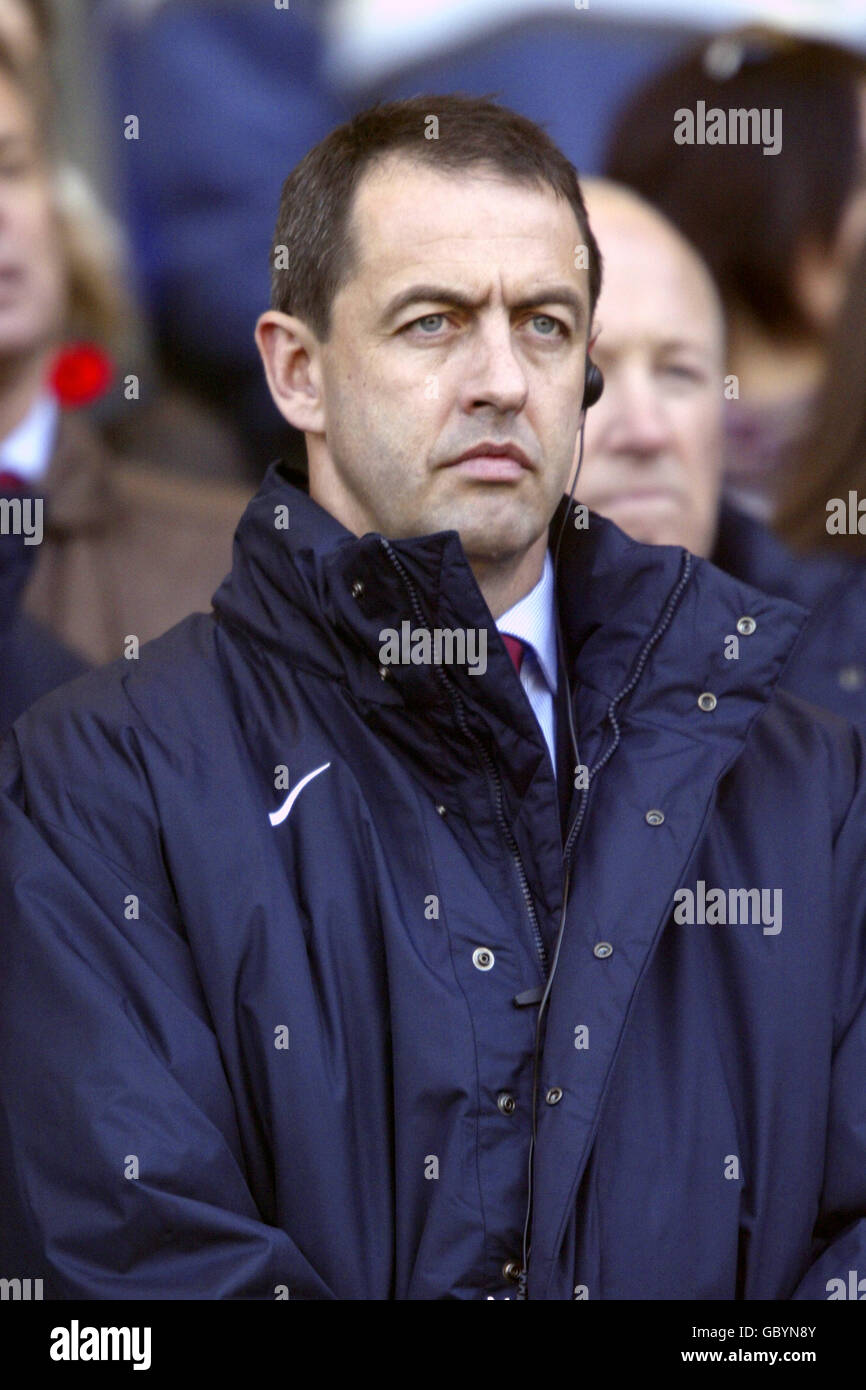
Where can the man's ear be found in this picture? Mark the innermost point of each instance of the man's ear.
(291, 356)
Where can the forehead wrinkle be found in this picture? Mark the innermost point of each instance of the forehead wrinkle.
(464, 252)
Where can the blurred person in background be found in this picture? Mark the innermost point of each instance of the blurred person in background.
(127, 551)
(779, 231)
(831, 461)
(653, 445)
(164, 422)
(32, 660)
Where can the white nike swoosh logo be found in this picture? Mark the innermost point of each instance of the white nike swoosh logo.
(277, 817)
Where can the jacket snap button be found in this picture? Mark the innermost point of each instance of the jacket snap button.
(384, 673)
(357, 589)
(852, 677)
(602, 949)
(746, 626)
(707, 702)
(506, 1103)
(482, 958)
(512, 1269)
(554, 1095)
(441, 809)
(655, 817)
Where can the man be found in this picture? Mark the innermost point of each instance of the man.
(304, 975)
(653, 458)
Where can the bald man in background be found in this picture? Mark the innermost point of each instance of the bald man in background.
(653, 444)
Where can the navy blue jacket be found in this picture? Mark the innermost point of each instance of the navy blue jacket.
(258, 1041)
(829, 665)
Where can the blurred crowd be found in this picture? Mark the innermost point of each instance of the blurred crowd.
(135, 420)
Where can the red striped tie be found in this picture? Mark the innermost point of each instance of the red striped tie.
(515, 649)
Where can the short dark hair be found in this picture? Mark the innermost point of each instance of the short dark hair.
(748, 214)
(314, 218)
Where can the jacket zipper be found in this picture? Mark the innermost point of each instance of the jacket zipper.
(490, 769)
(655, 635)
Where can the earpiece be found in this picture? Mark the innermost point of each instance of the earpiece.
(593, 383)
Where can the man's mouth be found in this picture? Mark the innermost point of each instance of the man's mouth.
(492, 463)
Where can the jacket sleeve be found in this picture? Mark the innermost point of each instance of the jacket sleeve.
(120, 1158)
(839, 1253)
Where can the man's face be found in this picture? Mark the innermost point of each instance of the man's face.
(652, 459)
(31, 275)
(464, 323)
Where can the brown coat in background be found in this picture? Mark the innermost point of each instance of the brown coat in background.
(127, 549)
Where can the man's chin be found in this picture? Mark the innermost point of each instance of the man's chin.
(492, 531)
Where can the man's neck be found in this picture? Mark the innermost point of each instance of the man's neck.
(503, 585)
(20, 384)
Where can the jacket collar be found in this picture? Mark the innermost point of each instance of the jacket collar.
(303, 584)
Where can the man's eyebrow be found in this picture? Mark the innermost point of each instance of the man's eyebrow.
(442, 294)
(682, 344)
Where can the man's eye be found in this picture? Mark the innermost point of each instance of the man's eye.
(549, 326)
(435, 320)
(680, 372)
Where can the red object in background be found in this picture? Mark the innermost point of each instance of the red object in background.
(81, 373)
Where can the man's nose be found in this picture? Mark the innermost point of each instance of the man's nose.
(638, 418)
(494, 374)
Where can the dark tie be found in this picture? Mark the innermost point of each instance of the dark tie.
(515, 649)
